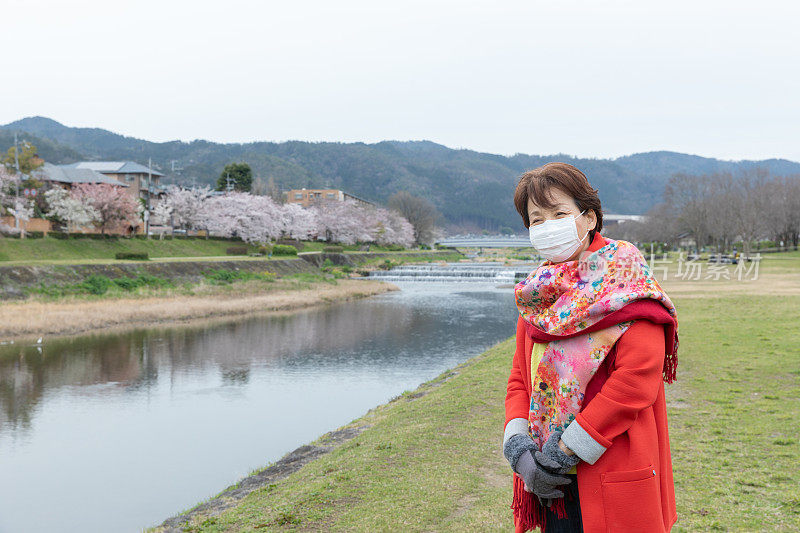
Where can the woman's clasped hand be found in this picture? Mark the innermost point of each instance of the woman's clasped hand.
(539, 479)
(539, 471)
(552, 453)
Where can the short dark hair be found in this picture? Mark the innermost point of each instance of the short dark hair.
(536, 184)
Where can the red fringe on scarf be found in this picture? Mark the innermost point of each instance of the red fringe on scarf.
(671, 362)
(670, 368)
(528, 512)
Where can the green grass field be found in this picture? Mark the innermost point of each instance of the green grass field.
(50, 250)
(434, 463)
(80, 250)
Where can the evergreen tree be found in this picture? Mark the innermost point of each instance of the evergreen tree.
(240, 175)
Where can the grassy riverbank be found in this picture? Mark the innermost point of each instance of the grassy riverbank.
(67, 299)
(49, 250)
(431, 459)
(21, 251)
(160, 305)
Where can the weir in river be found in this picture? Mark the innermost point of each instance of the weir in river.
(493, 272)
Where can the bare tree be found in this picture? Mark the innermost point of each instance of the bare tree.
(419, 212)
(722, 196)
(783, 215)
(719, 209)
(660, 224)
(750, 203)
(268, 187)
(687, 196)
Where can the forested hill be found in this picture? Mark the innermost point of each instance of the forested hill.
(468, 187)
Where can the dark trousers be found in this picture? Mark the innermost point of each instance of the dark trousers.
(572, 523)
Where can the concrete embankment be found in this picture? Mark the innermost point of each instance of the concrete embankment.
(359, 258)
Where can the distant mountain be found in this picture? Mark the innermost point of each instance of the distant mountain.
(664, 164)
(47, 148)
(471, 189)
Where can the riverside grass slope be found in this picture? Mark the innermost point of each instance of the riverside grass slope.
(49, 250)
(430, 460)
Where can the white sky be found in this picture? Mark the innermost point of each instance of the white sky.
(593, 79)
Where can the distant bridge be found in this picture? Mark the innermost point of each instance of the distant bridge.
(486, 241)
(516, 241)
(619, 219)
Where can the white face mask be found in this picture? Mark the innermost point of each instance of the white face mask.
(556, 240)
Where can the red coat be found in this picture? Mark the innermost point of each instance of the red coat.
(625, 411)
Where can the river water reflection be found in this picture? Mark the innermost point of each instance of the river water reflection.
(118, 432)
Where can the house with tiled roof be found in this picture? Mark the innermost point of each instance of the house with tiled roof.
(66, 175)
(138, 177)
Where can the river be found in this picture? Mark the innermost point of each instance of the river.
(116, 432)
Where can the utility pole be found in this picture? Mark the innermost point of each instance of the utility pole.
(176, 169)
(147, 204)
(16, 182)
(228, 182)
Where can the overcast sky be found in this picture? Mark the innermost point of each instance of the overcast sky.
(593, 79)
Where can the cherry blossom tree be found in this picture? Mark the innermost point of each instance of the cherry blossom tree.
(74, 210)
(19, 207)
(7, 196)
(22, 210)
(7, 180)
(349, 222)
(7, 191)
(393, 228)
(161, 214)
(341, 221)
(113, 204)
(187, 206)
(254, 219)
(298, 222)
(260, 219)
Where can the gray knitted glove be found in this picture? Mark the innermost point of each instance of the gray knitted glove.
(538, 480)
(515, 446)
(551, 450)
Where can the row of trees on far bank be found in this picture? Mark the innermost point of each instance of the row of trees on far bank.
(419, 212)
(720, 209)
(259, 219)
(253, 210)
(253, 218)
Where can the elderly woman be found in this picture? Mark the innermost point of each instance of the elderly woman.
(596, 340)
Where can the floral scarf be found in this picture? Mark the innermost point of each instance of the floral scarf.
(579, 308)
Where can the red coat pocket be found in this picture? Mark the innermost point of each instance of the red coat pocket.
(632, 500)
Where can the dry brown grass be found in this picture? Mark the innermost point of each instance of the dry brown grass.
(776, 276)
(31, 319)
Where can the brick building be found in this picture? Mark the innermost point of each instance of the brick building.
(308, 197)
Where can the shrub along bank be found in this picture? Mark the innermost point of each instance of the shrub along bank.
(99, 285)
